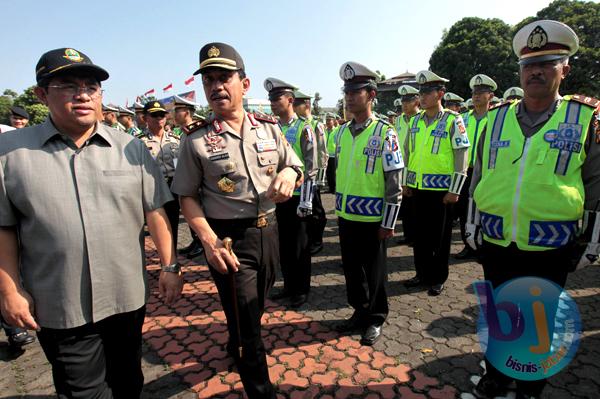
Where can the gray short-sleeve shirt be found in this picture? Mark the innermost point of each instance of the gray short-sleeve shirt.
(80, 217)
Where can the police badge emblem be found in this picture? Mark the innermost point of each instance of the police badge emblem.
(349, 73)
(422, 78)
(478, 80)
(538, 38)
(213, 52)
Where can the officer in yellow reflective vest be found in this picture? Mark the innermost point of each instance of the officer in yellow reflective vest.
(330, 131)
(409, 105)
(368, 194)
(513, 93)
(536, 175)
(482, 88)
(292, 215)
(318, 219)
(436, 154)
(453, 102)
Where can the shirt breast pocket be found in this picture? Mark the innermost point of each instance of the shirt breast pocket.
(120, 185)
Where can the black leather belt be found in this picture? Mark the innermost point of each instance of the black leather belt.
(259, 222)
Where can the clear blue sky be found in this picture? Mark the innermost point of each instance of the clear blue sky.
(149, 44)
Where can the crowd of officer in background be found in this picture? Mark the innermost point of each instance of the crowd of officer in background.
(254, 205)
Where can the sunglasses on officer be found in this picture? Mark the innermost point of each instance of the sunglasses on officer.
(429, 89)
(158, 115)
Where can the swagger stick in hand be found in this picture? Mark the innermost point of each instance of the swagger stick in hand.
(228, 243)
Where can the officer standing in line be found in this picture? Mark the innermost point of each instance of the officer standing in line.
(368, 194)
(110, 115)
(391, 115)
(482, 87)
(318, 219)
(453, 102)
(125, 118)
(513, 93)
(409, 103)
(164, 148)
(533, 179)
(292, 215)
(233, 168)
(138, 108)
(19, 117)
(330, 131)
(436, 154)
(183, 111)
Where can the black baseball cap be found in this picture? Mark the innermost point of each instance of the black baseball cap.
(60, 60)
(18, 111)
(219, 55)
(152, 107)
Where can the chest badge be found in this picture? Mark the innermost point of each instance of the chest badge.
(226, 185)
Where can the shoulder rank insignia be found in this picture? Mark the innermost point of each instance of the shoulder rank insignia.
(140, 135)
(589, 101)
(264, 117)
(451, 112)
(192, 127)
(501, 104)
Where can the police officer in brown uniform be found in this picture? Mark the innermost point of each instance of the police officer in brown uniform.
(164, 148)
(232, 169)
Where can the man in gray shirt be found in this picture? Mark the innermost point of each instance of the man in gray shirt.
(74, 194)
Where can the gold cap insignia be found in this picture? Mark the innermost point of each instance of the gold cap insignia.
(213, 52)
(72, 55)
(156, 105)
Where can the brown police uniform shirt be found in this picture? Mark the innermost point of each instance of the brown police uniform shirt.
(231, 171)
(164, 150)
(79, 213)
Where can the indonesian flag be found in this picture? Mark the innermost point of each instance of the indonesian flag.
(151, 91)
(168, 87)
(189, 81)
(189, 95)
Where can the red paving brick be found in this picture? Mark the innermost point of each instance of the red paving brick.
(305, 357)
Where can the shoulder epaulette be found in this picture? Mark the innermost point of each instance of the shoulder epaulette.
(385, 122)
(501, 104)
(192, 127)
(451, 112)
(264, 117)
(589, 101)
(140, 135)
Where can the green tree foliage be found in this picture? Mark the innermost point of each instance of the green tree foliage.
(37, 113)
(28, 100)
(475, 45)
(5, 104)
(584, 18)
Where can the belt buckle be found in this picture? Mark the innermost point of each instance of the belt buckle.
(261, 222)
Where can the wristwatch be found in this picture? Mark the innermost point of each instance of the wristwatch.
(298, 171)
(174, 268)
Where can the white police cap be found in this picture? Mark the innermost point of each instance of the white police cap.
(513, 92)
(482, 80)
(426, 77)
(397, 102)
(357, 76)
(544, 40)
(407, 90)
(124, 111)
(453, 97)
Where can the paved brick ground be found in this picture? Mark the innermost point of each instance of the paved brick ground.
(429, 349)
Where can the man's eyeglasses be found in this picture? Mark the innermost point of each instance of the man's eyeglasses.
(72, 90)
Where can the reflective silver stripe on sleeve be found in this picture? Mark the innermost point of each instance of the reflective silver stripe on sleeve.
(390, 214)
(458, 180)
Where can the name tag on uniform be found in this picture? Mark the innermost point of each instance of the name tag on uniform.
(266, 145)
(219, 157)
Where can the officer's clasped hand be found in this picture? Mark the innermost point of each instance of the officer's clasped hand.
(474, 236)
